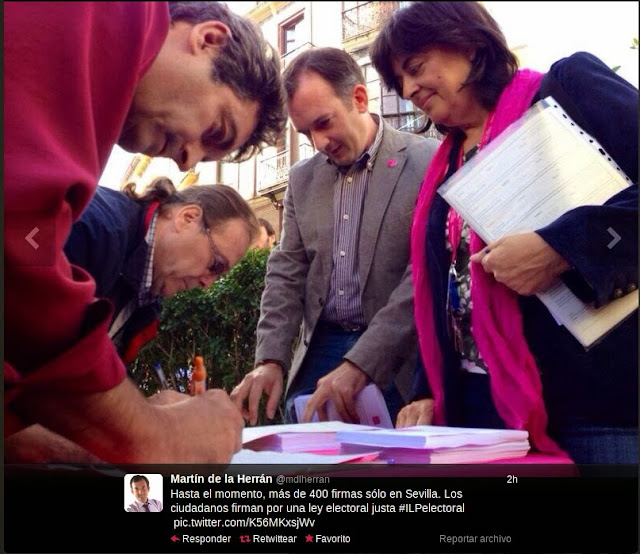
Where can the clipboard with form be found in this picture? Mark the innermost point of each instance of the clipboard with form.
(539, 168)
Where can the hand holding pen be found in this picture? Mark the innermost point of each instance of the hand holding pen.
(224, 421)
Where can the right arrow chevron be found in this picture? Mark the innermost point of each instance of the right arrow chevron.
(616, 238)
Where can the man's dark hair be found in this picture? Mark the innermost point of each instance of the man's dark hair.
(249, 65)
(335, 66)
(138, 478)
(456, 25)
(268, 227)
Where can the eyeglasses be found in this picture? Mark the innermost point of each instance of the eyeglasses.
(219, 264)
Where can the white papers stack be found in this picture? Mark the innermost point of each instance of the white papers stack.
(299, 437)
(266, 457)
(338, 442)
(436, 444)
(297, 442)
(460, 455)
(370, 405)
(430, 436)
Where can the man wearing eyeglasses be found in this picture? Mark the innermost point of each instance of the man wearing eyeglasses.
(141, 249)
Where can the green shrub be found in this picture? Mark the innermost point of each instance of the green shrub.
(218, 323)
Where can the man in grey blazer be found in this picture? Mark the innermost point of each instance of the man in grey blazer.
(340, 279)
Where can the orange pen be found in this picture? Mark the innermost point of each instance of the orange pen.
(198, 382)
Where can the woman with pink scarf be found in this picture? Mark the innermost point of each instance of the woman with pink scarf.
(493, 355)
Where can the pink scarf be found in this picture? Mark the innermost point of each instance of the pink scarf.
(496, 320)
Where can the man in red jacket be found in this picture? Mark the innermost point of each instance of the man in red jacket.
(186, 80)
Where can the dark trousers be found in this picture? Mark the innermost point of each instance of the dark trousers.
(326, 350)
(585, 443)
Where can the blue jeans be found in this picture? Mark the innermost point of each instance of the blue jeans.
(598, 444)
(325, 353)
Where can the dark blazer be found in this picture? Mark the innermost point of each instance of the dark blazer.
(299, 269)
(599, 385)
(108, 242)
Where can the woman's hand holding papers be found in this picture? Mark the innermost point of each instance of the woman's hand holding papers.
(523, 262)
(419, 412)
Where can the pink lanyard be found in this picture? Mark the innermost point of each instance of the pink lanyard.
(454, 221)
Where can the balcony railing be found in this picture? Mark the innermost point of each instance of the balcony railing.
(305, 151)
(412, 123)
(274, 170)
(409, 123)
(287, 58)
(365, 18)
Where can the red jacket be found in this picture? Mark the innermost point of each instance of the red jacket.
(70, 74)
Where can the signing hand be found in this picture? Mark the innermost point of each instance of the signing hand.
(167, 397)
(266, 378)
(419, 412)
(523, 262)
(206, 428)
(342, 386)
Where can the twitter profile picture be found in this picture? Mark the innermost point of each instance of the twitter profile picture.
(143, 492)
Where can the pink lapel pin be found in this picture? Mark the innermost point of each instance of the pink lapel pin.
(392, 163)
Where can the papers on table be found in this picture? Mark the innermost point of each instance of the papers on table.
(541, 167)
(426, 444)
(252, 433)
(267, 457)
(337, 442)
(297, 442)
(454, 455)
(431, 436)
(296, 437)
(370, 405)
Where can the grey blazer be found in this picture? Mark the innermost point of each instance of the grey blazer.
(299, 268)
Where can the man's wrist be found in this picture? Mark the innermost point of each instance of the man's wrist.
(269, 361)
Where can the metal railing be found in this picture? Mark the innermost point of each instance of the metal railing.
(287, 58)
(405, 122)
(274, 170)
(412, 123)
(365, 18)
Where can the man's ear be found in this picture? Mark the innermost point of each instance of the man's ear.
(360, 98)
(188, 216)
(208, 36)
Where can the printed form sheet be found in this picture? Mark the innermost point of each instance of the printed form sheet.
(538, 169)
